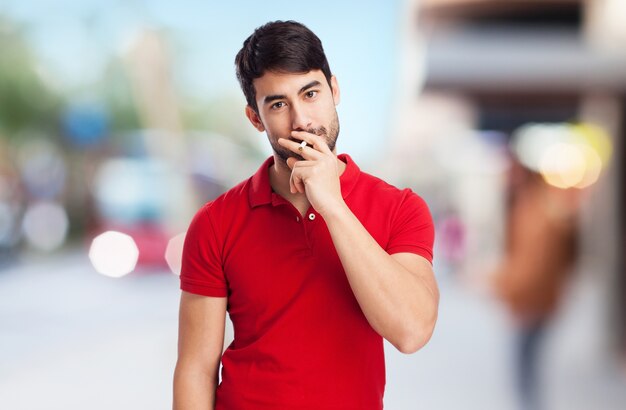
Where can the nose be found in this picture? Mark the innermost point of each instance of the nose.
(300, 118)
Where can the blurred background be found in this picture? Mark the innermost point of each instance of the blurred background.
(118, 120)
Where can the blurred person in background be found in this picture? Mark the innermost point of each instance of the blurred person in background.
(540, 253)
(315, 260)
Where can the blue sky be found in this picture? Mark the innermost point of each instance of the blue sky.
(75, 37)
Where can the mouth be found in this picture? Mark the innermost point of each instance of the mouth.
(320, 132)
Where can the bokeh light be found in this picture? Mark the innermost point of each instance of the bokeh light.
(562, 165)
(174, 253)
(565, 155)
(113, 254)
(45, 225)
(596, 138)
(42, 167)
(593, 166)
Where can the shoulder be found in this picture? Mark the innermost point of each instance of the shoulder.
(233, 198)
(216, 212)
(386, 194)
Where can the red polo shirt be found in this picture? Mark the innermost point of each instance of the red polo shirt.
(301, 340)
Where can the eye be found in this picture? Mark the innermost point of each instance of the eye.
(278, 105)
(311, 94)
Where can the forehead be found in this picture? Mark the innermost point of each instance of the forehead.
(274, 83)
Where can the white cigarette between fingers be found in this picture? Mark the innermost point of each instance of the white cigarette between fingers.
(302, 145)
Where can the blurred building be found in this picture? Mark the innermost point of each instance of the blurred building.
(473, 73)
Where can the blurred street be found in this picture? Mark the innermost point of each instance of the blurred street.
(73, 339)
(119, 121)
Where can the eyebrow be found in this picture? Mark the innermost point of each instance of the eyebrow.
(268, 99)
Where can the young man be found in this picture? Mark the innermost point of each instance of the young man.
(314, 260)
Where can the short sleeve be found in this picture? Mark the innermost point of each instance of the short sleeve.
(412, 228)
(201, 270)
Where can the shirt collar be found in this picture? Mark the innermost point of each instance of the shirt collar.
(260, 192)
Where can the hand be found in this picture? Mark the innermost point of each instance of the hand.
(317, 176)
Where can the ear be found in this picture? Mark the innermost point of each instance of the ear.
(254, 119)
(336, 92)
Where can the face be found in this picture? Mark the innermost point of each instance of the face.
(295, 102)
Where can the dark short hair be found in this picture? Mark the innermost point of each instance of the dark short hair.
(279, 46)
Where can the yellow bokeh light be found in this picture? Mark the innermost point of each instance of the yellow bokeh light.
(593, 166)
(597, 139)
(565, 155)
(562, 165)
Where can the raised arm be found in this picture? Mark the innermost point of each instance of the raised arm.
(397, 293)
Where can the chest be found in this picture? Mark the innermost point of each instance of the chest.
(277, 257)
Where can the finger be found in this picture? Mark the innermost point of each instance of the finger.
(299, 174)
(293, 161)
(318, 142)
(296, 182)
(292, 185)
(305, 152)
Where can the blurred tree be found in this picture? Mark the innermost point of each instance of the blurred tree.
(26, 101)
(117, 96)
(224, 115)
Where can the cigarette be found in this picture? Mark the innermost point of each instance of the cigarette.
(302, 145)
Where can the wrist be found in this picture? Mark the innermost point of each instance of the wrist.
(334, 211)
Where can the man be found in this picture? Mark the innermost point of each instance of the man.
(314, 260)
(540, 255)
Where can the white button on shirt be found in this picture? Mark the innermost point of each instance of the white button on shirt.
(311, 216)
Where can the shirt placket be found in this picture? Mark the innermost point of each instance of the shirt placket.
(305, 226)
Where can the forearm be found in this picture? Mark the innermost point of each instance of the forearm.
(193, 389)
(397, 303)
